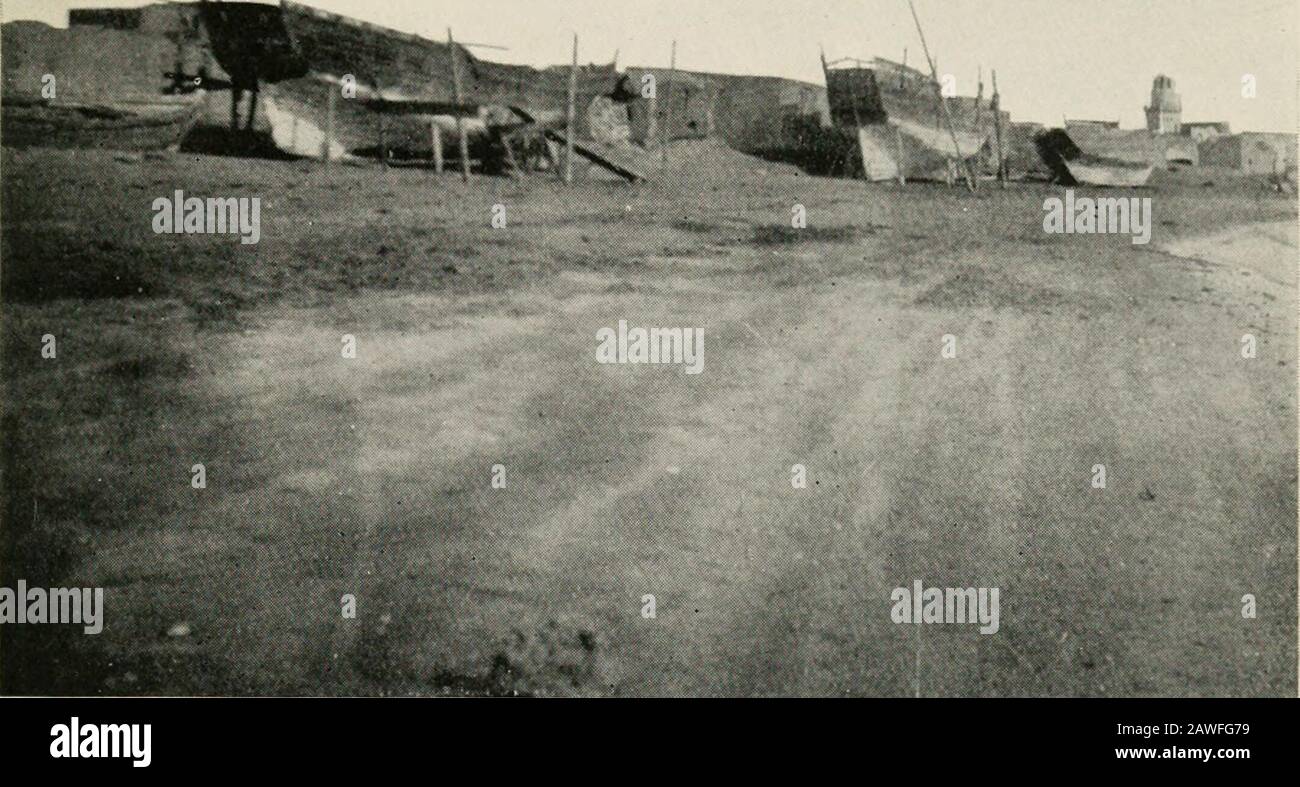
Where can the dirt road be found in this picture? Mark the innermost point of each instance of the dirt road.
(372, 476)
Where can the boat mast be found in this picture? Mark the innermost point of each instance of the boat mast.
(938, 92)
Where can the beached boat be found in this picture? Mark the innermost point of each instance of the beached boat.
(400, 84)
(902, 129)
(92, 88)
(899, 147)
(141, 124)
(1116, 174)
(1120, 159)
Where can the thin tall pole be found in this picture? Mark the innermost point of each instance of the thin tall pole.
(652, 122)
(947, 116)
(570, 116)
(902, 157)
(435, 133)
(328, 144)
(826, 75)
(997, 129)
(667, 133)
(460, 121)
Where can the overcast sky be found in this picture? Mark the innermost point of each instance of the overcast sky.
(1054, 58)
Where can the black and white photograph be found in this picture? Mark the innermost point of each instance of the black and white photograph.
(648, 348)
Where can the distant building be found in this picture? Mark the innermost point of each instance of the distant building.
(1201, 131)
(1252, 152)
(1069, 122)
(1282, 143)
(1164, 116)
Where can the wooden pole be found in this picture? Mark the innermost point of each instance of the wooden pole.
(383, 142)
(667, 131)
(435, 136)
(512, 164)
(902, 159)
(997, 130)
(460, 121)
(570, 115)
(826, 75)
(252, 109)
(652, 122)
(938, 92)
(328, 144)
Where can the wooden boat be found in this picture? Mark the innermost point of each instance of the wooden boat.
(915, 151)
(137, 124)
(900, 125)
(402, 83)
(1117, 174)
(1128, 165)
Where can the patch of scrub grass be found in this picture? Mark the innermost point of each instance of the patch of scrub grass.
(779, 235)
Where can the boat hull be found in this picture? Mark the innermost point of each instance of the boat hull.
(1113, 175)
(131, 126)
(916, 152)
(297, 112)
(391, 86)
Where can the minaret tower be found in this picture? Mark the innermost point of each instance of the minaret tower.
(1165, 114)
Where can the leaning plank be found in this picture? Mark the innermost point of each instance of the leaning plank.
(582, 150)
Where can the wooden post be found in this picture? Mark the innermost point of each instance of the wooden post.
(570, 115)
(327, 145)
(938, 92)
(667, 132)
(938, 110)
(997, 130)
(652, 122)
(902, 159)
(435, 135)
(512, 164)
(252, 109)
(826, 76)
(383, 143)
(460, 121)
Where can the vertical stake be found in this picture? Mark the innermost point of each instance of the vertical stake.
(460, 120)
(667, 132)
(997, 129)
(902, 160)
(328, 144)
(435, 136)
(570, 117)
